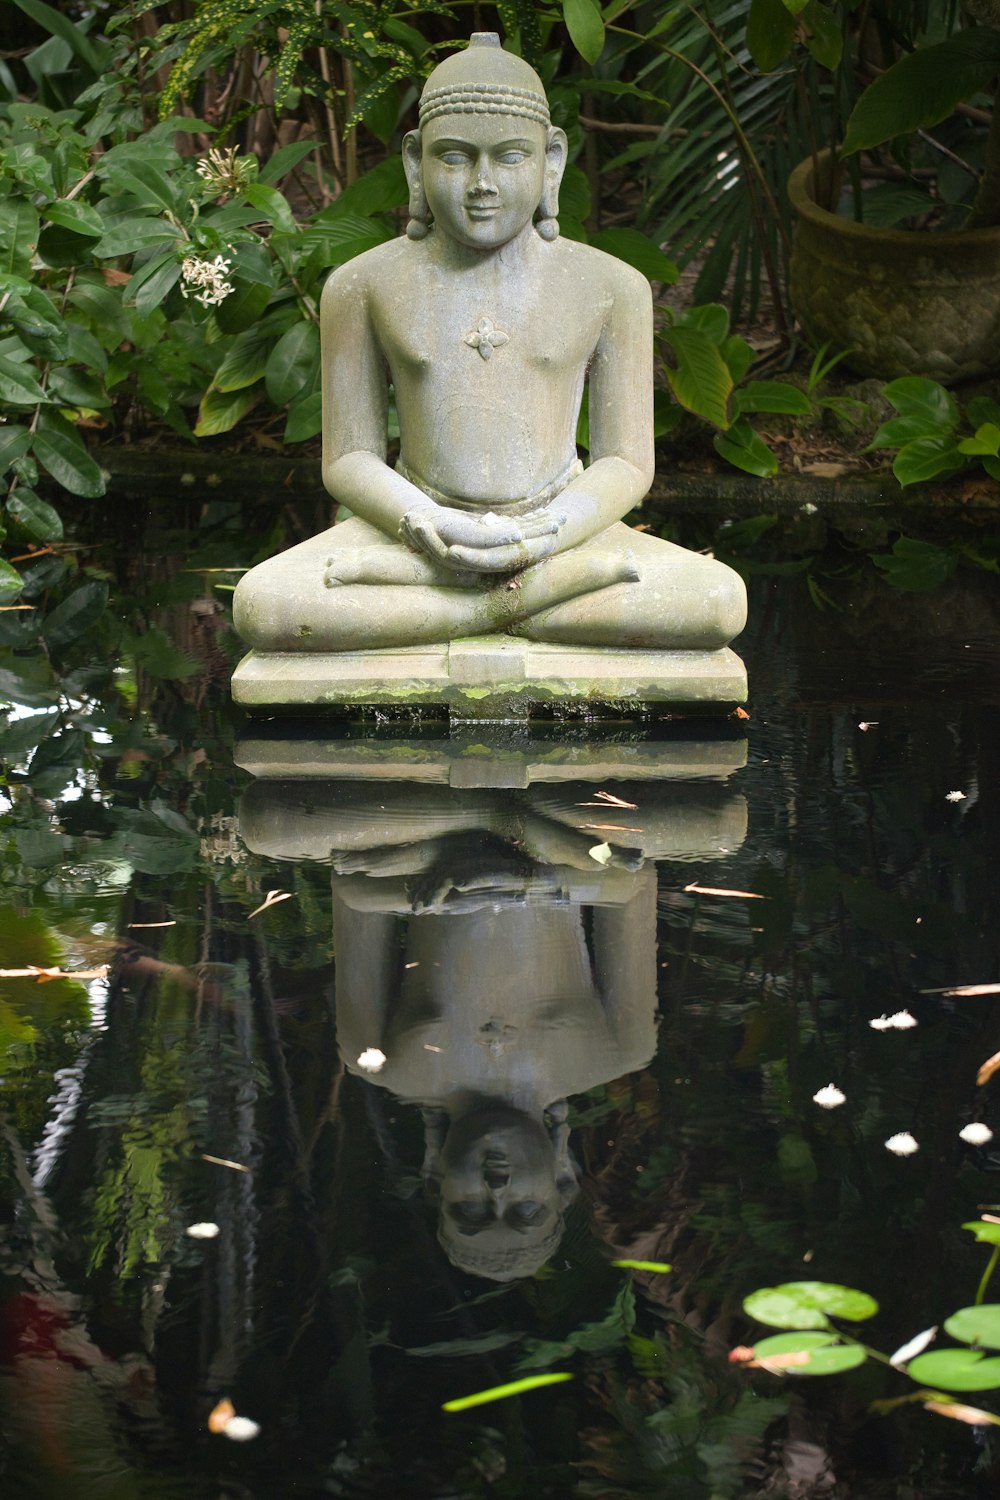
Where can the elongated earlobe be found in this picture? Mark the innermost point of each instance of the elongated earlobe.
(420, 214)
(547, 219)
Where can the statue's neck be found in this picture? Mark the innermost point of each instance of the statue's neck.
(505, 259)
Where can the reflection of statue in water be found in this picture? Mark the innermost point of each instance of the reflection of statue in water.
(498, 966)
(488, 326)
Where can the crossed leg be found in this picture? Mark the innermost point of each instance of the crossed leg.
(622, 588)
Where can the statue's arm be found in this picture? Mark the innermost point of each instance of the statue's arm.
(624, 939)
(621, 417)
(355, 408)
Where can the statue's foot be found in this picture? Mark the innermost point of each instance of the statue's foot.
(379, 565)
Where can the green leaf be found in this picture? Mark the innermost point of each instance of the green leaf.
(305, 418)
(244, 362)
(585, 27)
(915, 566)
(711, 318)
(745, 449)
(916, 396)
(770, 33)
(983, 409)
(11, 582)
(701, 382)
(638, 250)
(14, 444)
(927, 458)
(574, 195)
(986, 1234)
(18, 236)
(825, 41)
(378, 191)
(272, 205)
(923, 88)
(738, 356)
(899, 431)
(63, 454)
(221, 410)
(136, 234)
(889, 204)
(805, 1304)
(80, 217)
(773, 396)
(986, 440)
(81, 609)
(35, 516)
(244, 305)
(151, 283)
(955, 1370)
(501, 1392)
(61, 26)
(146, 182)
(285, 161)
(73, 386)
(826, 1356)
(293, 364)
(976, 1325)
(19, 384)
(20, 736)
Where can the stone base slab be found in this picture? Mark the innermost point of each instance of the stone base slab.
(489, 677)
(483, 759)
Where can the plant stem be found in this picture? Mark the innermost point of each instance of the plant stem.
(990, 1268)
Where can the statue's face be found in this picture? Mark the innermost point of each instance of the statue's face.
(499, 1168)
(483, 176)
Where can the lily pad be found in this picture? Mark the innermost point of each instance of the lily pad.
(956, 1370)
(826, 1355)
(805, 1304)
(976, 1325)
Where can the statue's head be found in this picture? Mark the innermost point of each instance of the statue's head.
(486, 160)
(503, 1180)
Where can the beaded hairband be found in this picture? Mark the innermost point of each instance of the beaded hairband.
(484, 99)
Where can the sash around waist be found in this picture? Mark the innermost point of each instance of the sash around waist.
(518, 507)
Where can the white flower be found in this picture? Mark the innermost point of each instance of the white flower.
(976, 1134)
(204, 1231)
(372, 1060)
(955, 797)
(902, 1144)
(901, 1021)
(830, 1097)
(241, 1429)
(209, 277)
(914, 1346)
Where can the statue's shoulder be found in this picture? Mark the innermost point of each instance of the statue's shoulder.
(602, 273)
(372, 269)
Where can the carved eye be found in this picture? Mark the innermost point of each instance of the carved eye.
(512, 158)
(453, 158)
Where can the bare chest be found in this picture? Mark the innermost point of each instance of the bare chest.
(479, 335)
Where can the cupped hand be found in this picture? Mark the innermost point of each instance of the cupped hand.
(460, 540)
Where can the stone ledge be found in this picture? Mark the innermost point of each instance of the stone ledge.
(489, 677)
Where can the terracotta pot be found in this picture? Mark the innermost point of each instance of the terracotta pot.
(905, 302)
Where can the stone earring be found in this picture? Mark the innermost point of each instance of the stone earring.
(420, 215)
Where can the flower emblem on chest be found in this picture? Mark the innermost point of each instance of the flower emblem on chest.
(486, 337)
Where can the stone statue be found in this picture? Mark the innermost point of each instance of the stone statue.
(494, 961)
(488, 325)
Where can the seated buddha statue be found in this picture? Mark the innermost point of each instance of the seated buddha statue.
(488, 325)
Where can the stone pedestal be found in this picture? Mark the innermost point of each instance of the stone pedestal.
(490, 677)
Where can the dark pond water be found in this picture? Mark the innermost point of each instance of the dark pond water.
(590, 1055)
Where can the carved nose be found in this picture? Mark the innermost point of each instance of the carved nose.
(496, 1172)
(484, 186)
